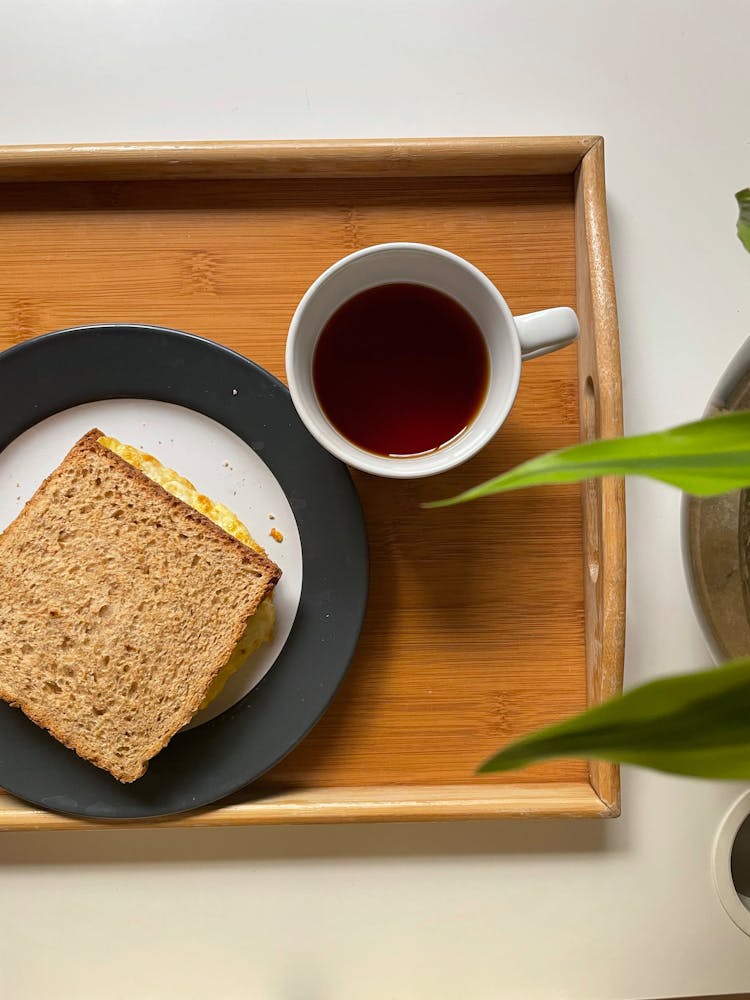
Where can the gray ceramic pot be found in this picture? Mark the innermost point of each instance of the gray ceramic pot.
(716, 538)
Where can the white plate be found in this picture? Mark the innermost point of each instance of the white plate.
(214, 459)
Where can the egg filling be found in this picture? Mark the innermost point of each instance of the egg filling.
(260, 627)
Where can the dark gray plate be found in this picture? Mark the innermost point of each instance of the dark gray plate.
(60, 370)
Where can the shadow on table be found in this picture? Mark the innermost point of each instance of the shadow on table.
(373, 841)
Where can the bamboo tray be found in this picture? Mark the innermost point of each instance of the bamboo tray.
(484, 621)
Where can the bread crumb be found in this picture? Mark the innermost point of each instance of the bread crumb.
(276, 535)
(271, 517)
(234, 392)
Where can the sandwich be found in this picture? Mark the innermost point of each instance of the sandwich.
(127, 599)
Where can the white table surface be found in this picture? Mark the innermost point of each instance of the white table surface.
(463, 910)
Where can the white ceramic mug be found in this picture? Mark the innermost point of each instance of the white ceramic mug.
(509, 340)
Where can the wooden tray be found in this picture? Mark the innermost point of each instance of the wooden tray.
(484, 621)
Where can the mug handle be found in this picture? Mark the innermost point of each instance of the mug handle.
(546, 331)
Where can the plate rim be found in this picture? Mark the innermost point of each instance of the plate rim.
(356, 547)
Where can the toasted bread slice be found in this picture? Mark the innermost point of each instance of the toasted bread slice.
(119, 604)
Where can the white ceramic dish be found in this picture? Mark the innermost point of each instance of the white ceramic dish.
(210, 456)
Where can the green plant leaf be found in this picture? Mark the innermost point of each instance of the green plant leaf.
(704, 458)
(696, 724)
(743, 222)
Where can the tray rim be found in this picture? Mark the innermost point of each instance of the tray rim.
(600, 386)
(264, 159)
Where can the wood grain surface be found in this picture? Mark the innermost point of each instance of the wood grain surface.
(475, 631)
(364, 803)
(468, 157)
(600, 398)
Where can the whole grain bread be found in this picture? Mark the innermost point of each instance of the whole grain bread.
(119, 604)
